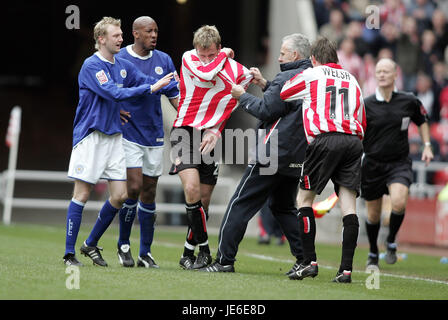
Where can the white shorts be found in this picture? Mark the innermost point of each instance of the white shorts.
(98, 156)
(150, 159)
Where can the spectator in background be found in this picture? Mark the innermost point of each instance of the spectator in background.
(440, 28)
(335, 29)
(357, 9)
(408, 52)
(369, 84)
(389, 34)
(422, 11)
(428, 54)
(322, 10)
(443, 99)
(392, 11)
(350, 60)
(354, 32)
(439, 73)
(439, 81)
(424, 92)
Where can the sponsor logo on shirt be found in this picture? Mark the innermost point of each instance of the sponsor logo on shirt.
(159, 139)
(158, 70)
(101, 76)
(123, 73)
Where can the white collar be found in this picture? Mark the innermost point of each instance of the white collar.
(379, 96)
(99, 55)
(135, 55)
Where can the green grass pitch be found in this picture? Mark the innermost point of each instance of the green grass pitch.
(31, 268)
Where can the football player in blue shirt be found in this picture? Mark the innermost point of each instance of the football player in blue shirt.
(143, 142)
(97, 151)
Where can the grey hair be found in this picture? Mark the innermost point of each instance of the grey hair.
(299, 43)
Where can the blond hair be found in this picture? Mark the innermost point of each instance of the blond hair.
(100, 29)
(205, 36)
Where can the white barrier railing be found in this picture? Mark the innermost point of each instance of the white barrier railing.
(61, 176)
(420, 188)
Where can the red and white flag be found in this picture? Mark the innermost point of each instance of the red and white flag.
(14, 126)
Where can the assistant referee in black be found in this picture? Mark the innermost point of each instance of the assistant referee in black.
(386, 166)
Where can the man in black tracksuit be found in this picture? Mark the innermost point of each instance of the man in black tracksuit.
(281, 120)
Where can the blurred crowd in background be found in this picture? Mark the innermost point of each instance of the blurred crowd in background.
(414, 33)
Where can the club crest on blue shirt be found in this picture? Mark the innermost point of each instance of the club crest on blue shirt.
(123, 73)
(158, 70)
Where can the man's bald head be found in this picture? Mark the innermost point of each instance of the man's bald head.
(386, 73)
(145, 32)
(142, 22)
(387, 63)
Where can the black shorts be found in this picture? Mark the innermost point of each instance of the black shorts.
(335, 156)
(185, 154)
(376, 176)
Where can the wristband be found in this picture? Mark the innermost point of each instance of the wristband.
(427, 144)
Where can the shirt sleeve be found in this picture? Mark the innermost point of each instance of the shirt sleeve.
(270, 107)
(203, 72)
(218, 128)
(97, 80)
(294, 88)
(419, 115)
(172, 89)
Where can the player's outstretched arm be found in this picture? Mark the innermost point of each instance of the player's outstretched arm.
(162, 82)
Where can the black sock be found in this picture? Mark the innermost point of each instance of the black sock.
(372, 234)
(188, 252)
(190, 244)
(307, 225)
(204, 248)
(395, 222)
(197, 217)
(349, 241)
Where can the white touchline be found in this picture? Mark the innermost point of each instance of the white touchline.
(269, 258)
(263, 257)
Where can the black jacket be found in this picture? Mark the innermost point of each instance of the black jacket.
(284, 117)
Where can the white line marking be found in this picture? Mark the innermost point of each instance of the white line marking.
(268, 258)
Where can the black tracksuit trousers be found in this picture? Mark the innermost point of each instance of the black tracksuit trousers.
(250, 196)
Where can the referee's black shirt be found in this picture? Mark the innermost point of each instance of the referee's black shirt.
(386, 136)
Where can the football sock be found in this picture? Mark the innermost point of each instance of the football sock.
(105, 217)
(349, 241)
(74, 216)
(307, 225)
(126, 216)
(203, 247)
(197, 220)
(395, 221)
(372, 234)
(147, 218)
(188, 251)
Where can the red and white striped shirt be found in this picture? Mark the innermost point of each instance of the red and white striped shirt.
(332, 100)
(205, 91)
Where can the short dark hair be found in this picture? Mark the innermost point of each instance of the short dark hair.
(324, 51)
